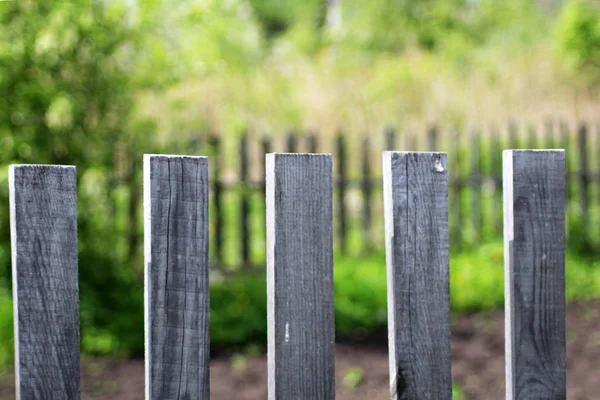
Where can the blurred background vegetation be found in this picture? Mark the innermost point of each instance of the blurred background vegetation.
(97, 83)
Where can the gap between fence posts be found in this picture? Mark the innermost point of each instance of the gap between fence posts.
(301, 342)
(415, 190)
(43, 222)
(534, 262)
(176, 304)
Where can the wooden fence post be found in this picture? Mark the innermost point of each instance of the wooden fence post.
(367, 194)
(244, 201)
(584, 179)
(390, 138)
(534, 259)
(301, 343)
(415, 186)
(43, 222)
(476, 181)
(218, 189)
(341, 183)
(176, 303)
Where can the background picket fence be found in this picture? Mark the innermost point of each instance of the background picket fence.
(301, 337)
(237, 165)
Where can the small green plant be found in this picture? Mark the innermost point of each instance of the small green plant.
(353, 377)
(457, 393)
(6, 328)
(239, 362)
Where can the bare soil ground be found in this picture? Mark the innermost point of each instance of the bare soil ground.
(362, 365)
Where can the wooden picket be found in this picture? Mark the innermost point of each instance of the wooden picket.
(534, 257)
(176, 277)
(301, 341)
(301, 335)
(415, 193)
(43, 216)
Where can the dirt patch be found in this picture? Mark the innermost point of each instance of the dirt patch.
(362, 365)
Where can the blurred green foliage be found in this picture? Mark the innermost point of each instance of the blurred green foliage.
(66, 98)
(578, 39)
(239, 305)
(97, 83)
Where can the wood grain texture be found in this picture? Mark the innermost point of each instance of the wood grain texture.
(300, 277)
(43, 219)
(416, 227)
(176, 287)
(534, 234)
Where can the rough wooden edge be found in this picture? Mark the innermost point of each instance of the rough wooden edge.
(388, 208)
(270, 222)
(507, 174)
(15, 288)
(147, 282)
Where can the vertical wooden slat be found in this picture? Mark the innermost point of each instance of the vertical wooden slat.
(292, 143)
(432, 138)
(390, 138)
(217, 187)
(265, 149)
(534, 257)
(496, 171)
(367, 193)
(312, 143)
(476, 180)
(584, 177)
(176, 277)
(456, 192)
(565, 144)
(341, 192)
(564, 136)
(244, 201)
(300, 277)
(416, 228)
(265, 145)
(43, 223)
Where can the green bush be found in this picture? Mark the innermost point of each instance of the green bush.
(6, 328)
(578, 39)
(66, 97)
(238, 306)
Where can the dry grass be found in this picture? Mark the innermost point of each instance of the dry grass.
(363, 93)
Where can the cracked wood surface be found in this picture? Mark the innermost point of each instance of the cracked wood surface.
(176, 287)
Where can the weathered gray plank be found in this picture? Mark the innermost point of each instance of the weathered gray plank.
(176, 277)
(416, 228)
(534, 240)
(43, 221)
(300, 277)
